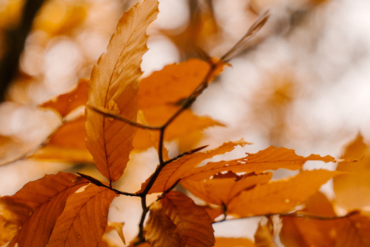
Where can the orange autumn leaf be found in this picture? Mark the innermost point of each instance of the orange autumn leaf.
(271, 158)
(160, 231)
(350, 188)
(66, 103)
(179, 168)
(233, 242)
(66, 144)
(113, 85)
(350, 231)
(38, 205)
(193, 225)
(161, 94)
(222, 190)
(279, 196)
(84, 218)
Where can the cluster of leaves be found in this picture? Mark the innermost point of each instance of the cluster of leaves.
(124, 115)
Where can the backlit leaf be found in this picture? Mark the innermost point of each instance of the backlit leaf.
(263, 237)
(38, 205)
(193, 224)
(84, 218)
(350, 188)
(160, 231)
(179, 168)
(279, 196)
(222, 190)
(113, 85)
(271, 158)
(66, 103)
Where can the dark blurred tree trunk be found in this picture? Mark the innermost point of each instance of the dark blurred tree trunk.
(14, 45)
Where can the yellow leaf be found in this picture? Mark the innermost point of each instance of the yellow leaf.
(113, 85)
(279, 196)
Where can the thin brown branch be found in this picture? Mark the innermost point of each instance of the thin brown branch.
(257, 25)
(110, 114)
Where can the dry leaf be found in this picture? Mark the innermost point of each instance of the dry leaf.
(68, 102)
(117, 226)
(222, 190)
(193, 224)
(279, 196)
(350, 189)
(269, 159)
(179, 168)
(160, 231)
(39, 204)
(84, 218)
(113, 85)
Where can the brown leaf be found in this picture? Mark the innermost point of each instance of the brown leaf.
(84, 218)
(234, 242)
(271, 158)
(351, 231)
(222, 191)
(350, 188)
(193, 224)
(179, 168)
(38, 205)
(279, 196)
(113, 85)
(160, 231)
(66, 103)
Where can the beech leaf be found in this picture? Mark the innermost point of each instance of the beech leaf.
(38, 205)
(271, 158)
(193, 224)
(84, 218)
(113, 85)
(160, 231)
(222, 190)
(179, 168)
(279, 196)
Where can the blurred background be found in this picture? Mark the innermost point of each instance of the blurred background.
(301, 82)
